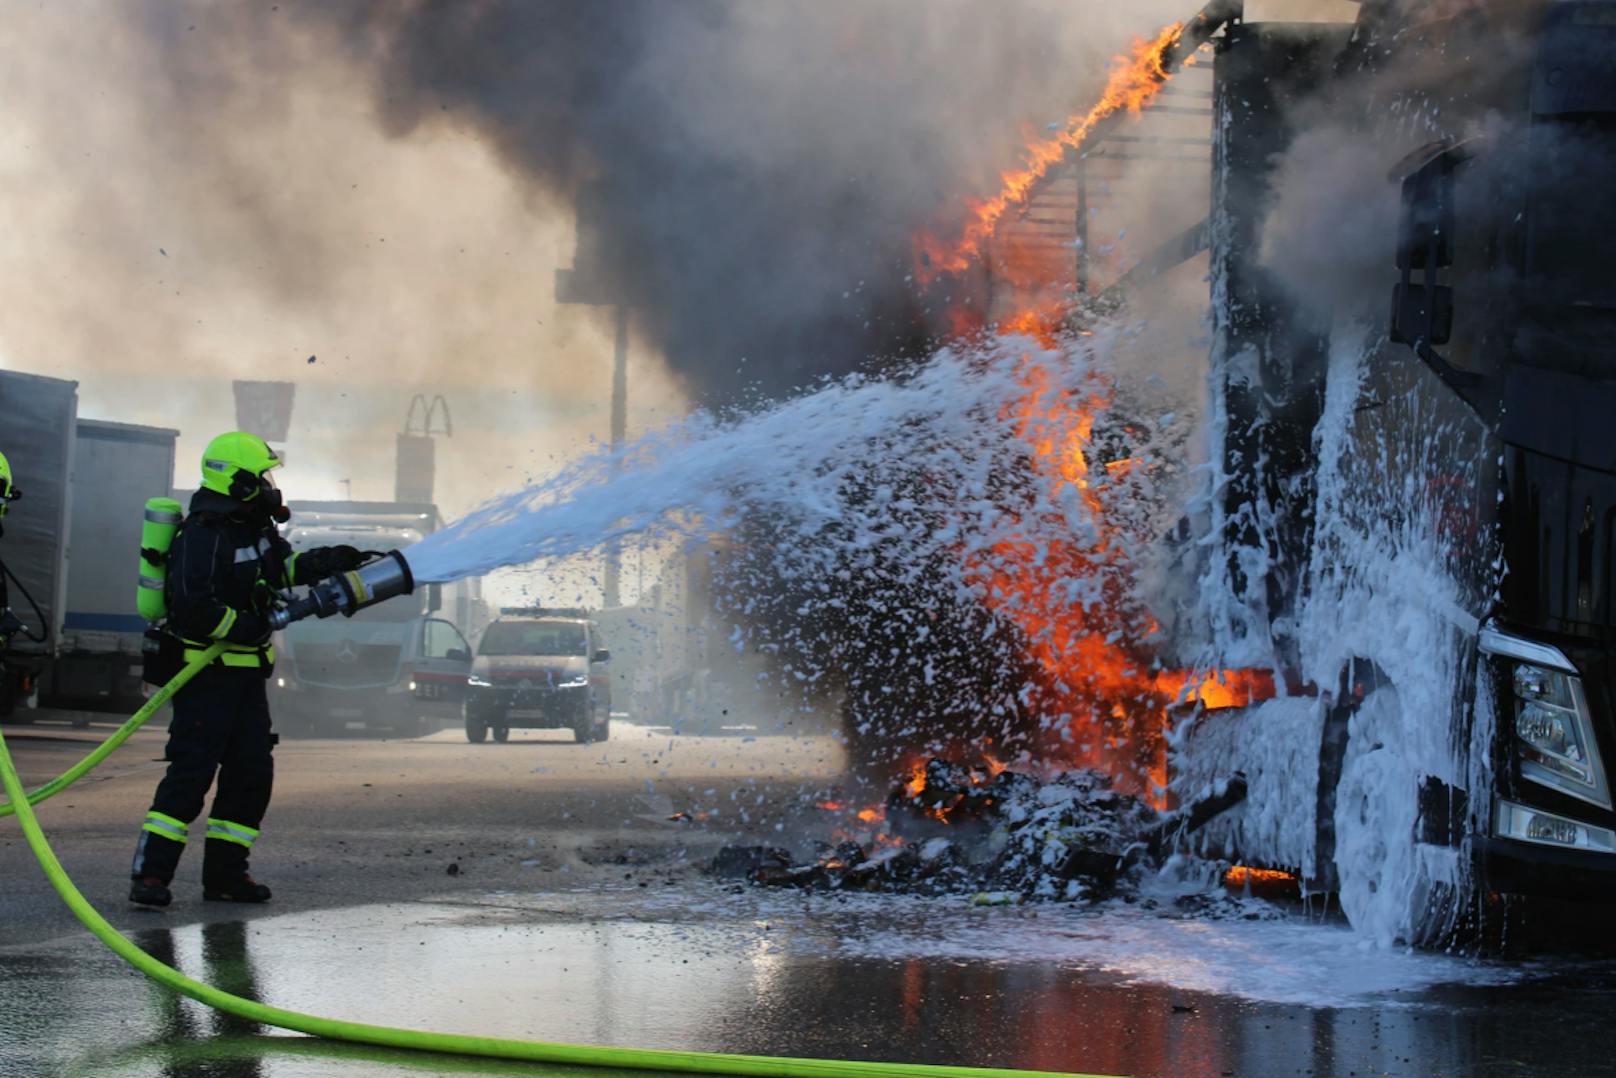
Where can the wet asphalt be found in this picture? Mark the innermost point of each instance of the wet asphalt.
(577, 911)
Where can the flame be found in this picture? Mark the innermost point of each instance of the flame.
(1099, 696)
(1244, 876)
(1107, 709)
(1135, 79)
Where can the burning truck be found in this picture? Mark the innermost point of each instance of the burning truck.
(1377, 656)
(1415, 520)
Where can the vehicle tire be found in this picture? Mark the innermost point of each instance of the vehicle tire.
(1392, 887)
(502, 733)
(476, 730)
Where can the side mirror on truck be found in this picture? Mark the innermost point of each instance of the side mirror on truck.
(601, 655)
(1422, 310)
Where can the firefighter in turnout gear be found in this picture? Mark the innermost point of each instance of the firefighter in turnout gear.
(227, 568)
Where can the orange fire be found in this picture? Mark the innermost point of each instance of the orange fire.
(1102, 704)
(1135, 80)
(1101, 701)
(1243, 876)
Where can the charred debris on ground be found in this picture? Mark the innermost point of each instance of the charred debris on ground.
(997, 835)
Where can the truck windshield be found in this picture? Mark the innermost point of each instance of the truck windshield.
(1571, 216)
(534, 638)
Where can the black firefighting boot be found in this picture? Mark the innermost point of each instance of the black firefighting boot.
(242, 889)
(149, 891)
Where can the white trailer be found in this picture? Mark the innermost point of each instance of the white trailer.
(38, 440)
(116, 467)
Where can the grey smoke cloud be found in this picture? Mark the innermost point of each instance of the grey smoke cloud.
(774, 158)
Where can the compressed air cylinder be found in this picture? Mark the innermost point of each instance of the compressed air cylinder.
(163, 516)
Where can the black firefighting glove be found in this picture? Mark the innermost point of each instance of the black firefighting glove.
(327, 561)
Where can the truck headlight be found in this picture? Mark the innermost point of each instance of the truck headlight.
(479, 682)
(1552, 724)
(581, 682)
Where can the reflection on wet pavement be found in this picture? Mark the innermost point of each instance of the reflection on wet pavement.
(1123, 991)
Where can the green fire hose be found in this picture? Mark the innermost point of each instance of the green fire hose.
(644, 1059)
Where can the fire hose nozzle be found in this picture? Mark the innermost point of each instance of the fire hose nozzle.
(347, 593)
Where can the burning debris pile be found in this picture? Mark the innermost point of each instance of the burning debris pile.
(998, 834)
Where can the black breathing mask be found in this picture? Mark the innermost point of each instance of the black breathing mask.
(270, 502)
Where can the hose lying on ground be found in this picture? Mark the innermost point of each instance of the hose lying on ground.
(120, 735)
(645, 1059)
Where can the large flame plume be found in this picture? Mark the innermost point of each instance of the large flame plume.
(1135, 79)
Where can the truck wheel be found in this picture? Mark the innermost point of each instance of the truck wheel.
(502, 733)
(1392, 887)
(476, 730)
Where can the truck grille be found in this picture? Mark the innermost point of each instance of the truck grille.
(346, 665)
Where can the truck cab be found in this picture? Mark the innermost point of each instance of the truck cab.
(1473, 437)
(400, 665)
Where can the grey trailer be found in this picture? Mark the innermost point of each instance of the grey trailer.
(38, 441)
(116, 467)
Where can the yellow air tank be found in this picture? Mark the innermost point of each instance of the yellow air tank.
(163, 516)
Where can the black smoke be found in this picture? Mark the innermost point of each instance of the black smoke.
(755, 170)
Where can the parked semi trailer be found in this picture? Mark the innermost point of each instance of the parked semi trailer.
(38, 439)
(116, 467)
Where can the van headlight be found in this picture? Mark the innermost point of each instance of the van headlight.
(579, 682)
(1552, 725)
(478, 681)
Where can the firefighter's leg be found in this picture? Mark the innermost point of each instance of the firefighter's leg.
(246, 777)
(204, 713)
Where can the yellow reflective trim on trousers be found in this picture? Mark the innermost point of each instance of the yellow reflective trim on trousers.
(221, 630)
(168, 827)
(225, 831)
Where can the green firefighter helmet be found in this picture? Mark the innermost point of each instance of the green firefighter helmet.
(235, 464)
(8, 492)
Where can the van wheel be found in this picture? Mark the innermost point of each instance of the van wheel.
(476, 730)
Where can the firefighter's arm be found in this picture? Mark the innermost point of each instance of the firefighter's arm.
(199, 559)
(321, 563)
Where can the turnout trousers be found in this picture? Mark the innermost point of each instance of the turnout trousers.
(221, 726)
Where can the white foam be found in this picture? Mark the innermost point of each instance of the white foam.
(1287, 960)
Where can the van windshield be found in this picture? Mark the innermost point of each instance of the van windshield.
(534, 638)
